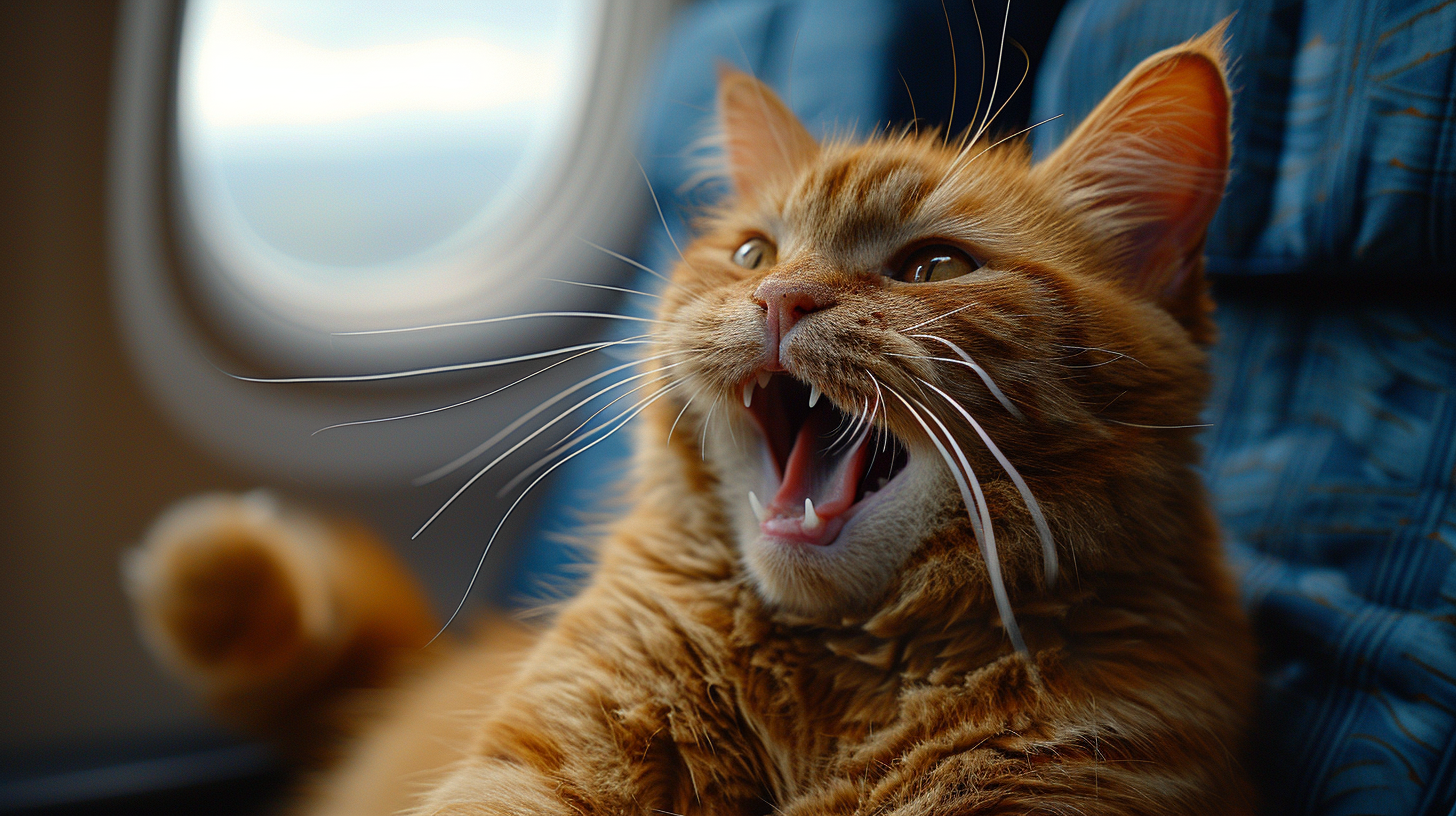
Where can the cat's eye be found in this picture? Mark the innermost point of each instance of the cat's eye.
(755, 253)
(935, 262)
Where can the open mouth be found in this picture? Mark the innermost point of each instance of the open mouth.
(826, 465)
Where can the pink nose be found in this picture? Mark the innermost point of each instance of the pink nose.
(786, 302)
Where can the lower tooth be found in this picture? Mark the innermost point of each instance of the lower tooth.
(812, 522)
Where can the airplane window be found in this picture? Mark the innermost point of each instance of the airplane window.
(285, 176)
(374, 146)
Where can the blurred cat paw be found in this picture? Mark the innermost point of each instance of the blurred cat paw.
(232, 590)
(274, 613)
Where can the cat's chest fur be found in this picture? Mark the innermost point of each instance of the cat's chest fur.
(788, 702)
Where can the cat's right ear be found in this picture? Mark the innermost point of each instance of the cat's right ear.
(1147, 168)
(762, 139)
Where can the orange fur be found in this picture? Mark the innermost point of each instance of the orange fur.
(706, 670)
(268, 611)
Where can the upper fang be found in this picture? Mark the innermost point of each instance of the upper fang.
(813, 395)
(757, 507)
(763, 378)
(748, 394)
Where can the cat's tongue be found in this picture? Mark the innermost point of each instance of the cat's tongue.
(828, 479)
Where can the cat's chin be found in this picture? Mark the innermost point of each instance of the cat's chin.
(826, 507)
(850, 569)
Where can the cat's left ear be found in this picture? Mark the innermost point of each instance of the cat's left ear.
(762, 139)
(1147, 167)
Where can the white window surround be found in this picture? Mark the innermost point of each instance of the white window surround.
(372, 144)
(183, 317)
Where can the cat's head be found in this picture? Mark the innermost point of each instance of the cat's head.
(869, 337)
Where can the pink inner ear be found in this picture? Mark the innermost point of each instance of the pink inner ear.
(1149, 163)
(1184, 116)
(762, 139)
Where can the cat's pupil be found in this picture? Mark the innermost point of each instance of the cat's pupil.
(754, 253)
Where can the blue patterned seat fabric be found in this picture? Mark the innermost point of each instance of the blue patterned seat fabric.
(1333, 444)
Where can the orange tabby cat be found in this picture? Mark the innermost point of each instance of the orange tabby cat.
(914, 525)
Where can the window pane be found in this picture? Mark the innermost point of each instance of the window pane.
(332, 141)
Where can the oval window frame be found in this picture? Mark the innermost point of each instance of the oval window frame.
(185, 341)
(237, 274)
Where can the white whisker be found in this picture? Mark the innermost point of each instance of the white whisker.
(479, 473)
(566, 437)
(933, 319)
(577, 406)
(458, 462)
(880, 402)
(679, 416)
(980, 372)
(1043, 530)
(981, 527)
(570, 442)
(845, 423)
(981, 84)
(884, 440)
(996, 82)
(1157, 427)
(506, 318)
(420, 372)
(914, 115)
(476, 575)
(1008, 138)
(1116, 354)
(703, 442)
(732, 434)
(662, 217)
(1025, 72)
(624, 259)
(974, 367)
(955, 77)
(758, 88)
(793, 46)
(851, 429)
(477, 398)
(602, 286)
